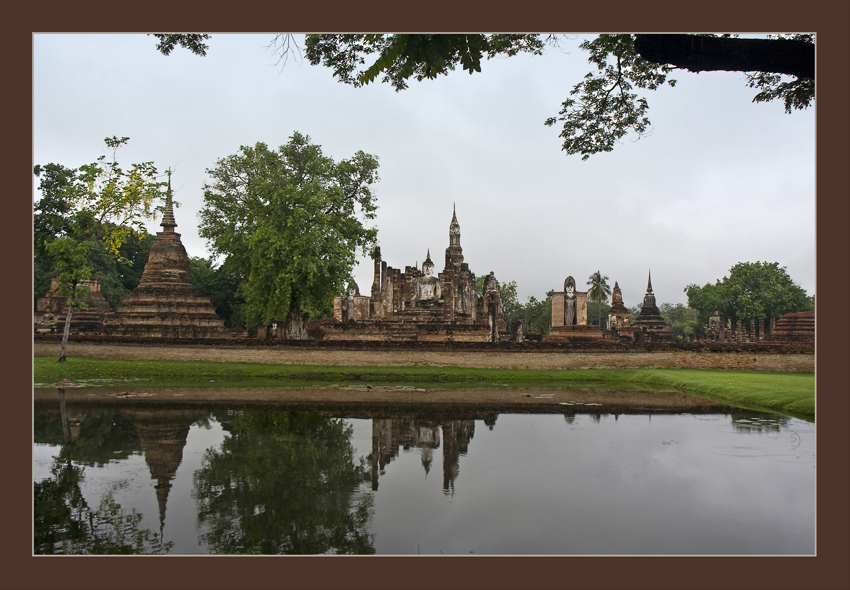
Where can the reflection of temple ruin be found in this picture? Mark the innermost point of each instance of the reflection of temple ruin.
(389, 435)
(162, 433)
(52, 309)
(417, 305)
(166, 304)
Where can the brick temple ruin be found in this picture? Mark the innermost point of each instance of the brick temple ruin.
(416, 305)
(569, 316)
(52, 309)
(166, 304)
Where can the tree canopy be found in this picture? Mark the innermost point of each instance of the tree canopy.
(752, 290)
(289, 223)
(604, 106)
(598, 293)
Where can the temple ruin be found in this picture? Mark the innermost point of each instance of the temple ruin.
(649, 323)
(795, 327)
(416, 305)
(569, 316)
(166, 304)
(52, 309)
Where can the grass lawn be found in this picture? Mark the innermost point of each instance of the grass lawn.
(788, 393)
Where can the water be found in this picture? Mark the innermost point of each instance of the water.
(423, 480)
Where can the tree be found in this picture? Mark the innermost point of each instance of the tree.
(682, 320)
(511, 307)
(103, 205)
(221, 286)
(69, 258)
(752, 290)
(599, 291)
(289, 222)
(603, 107)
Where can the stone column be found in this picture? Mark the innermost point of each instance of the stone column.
(752, 330)
(761, 329)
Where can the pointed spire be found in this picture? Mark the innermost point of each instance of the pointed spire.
(649, 283)
(168, 218)
(454, 222)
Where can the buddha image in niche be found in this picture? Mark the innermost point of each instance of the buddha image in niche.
(570, 302)
(427, 287)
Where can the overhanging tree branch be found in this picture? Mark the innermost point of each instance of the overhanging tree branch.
(698, 53)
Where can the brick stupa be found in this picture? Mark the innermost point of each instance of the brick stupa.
(650, 320)
(792, 327)
(166, 304)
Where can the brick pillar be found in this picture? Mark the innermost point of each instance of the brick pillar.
(739, 331)
(761, 329)
(752, 330)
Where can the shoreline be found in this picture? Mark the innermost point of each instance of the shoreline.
(568, 359)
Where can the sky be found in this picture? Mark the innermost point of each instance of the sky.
(718, 180)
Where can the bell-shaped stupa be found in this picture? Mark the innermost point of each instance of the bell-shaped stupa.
(166, 304)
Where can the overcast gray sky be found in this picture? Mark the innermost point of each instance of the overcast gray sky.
(719, 180)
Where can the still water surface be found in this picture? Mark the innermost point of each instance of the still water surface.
(416, 480)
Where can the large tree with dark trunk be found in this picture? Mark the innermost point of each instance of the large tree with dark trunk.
(289, 222)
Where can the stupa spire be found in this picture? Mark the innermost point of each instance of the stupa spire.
(168, 222)
(649, 283)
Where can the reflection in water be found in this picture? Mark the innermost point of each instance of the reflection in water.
(283, 483)
(292, 481)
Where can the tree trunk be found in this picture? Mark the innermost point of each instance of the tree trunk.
(65, 334)
(699, 54)
(294, 328)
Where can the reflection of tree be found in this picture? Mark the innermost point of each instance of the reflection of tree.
(744, 421)
(65, 524)
(103, 435)
(283, 482)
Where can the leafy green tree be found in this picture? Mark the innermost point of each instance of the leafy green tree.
(752, 290)
(289, 223)
(69, 259)
(536, 315)
(598, 309)
(604, 106)
(221, 286)
(682, 320)
(599, 291)
(283, 482)
(101, 204)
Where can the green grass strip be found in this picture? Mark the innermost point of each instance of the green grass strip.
(789, 393)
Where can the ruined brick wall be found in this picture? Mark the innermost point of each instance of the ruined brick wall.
(557, 309)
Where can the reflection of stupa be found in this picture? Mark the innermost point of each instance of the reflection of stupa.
(456, 437)
(166, 304)
(163, 435)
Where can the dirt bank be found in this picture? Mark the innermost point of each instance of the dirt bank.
(563, 400)
(762, 361)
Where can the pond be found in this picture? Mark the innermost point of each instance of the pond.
(567, 479)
